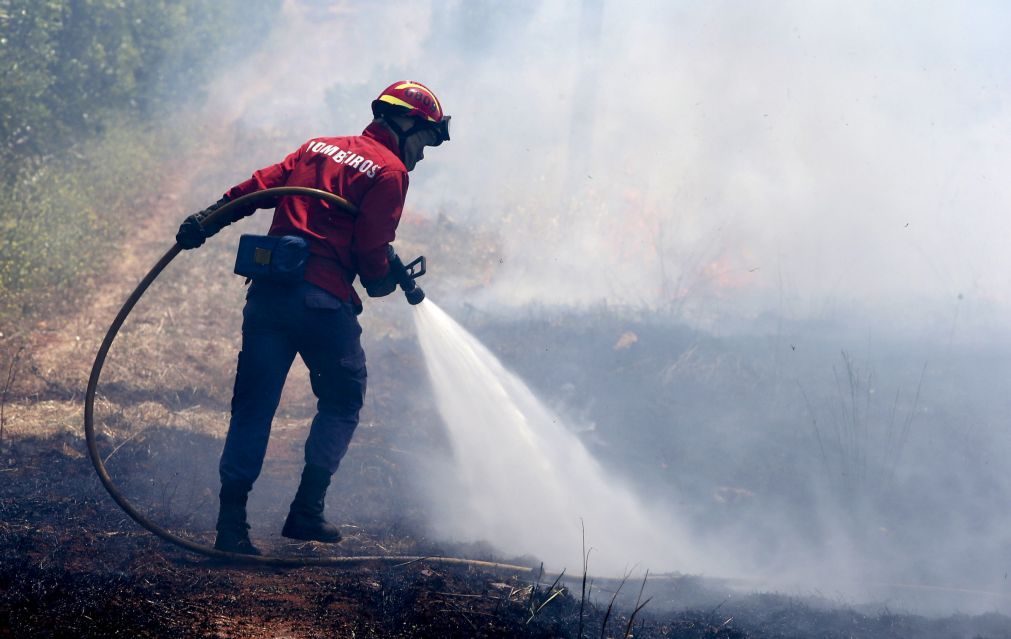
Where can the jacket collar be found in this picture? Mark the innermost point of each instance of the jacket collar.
(384, 136)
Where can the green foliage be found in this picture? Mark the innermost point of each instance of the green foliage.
(71, 68)
(81, 82)
(26, 55)
(60, 222)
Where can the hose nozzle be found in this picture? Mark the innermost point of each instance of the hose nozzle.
(407, 274)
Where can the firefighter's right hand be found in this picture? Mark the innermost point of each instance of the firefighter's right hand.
(388, 283)
(191, 234)
(381, 287)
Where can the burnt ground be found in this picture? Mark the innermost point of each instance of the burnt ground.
(73, 565)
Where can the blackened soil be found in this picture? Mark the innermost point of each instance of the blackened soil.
(73, 565)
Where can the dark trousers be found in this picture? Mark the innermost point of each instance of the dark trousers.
(279, 321)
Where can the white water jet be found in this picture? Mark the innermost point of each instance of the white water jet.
(520, 480)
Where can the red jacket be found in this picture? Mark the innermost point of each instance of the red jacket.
(366, 171)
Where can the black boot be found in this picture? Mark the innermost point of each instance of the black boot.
(305, 518)
(233, 531)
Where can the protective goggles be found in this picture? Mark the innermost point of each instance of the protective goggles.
(435, 132)
(441, 129)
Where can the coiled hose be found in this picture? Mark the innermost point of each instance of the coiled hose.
(124, 503)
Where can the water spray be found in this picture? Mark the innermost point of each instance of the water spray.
(518, 477)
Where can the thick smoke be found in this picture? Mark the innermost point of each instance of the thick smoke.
(797, 158)
(823, 176)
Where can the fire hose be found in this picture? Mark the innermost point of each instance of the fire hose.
(413, 293)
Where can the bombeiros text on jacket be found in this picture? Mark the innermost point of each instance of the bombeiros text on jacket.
(352, 160)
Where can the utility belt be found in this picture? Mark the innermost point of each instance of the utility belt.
(272, 258)
(279, 258)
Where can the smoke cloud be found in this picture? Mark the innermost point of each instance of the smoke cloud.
(817, 177)
(786, 156)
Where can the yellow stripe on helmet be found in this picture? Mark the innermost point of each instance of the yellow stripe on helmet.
(389, 99)
(408, 85)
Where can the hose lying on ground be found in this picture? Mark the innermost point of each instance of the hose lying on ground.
(124, 503)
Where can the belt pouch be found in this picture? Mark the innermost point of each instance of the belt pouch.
(272, 258)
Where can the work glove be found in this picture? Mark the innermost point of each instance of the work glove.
(381, 287)
(386, 284)
(192, 232)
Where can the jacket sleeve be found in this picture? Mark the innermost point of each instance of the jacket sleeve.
(266, 178)
(376, 224)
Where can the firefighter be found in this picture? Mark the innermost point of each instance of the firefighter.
(316, 316)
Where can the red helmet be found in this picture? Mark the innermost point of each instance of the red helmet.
(415, 100)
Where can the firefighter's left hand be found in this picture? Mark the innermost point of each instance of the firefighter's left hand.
(191, 235)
